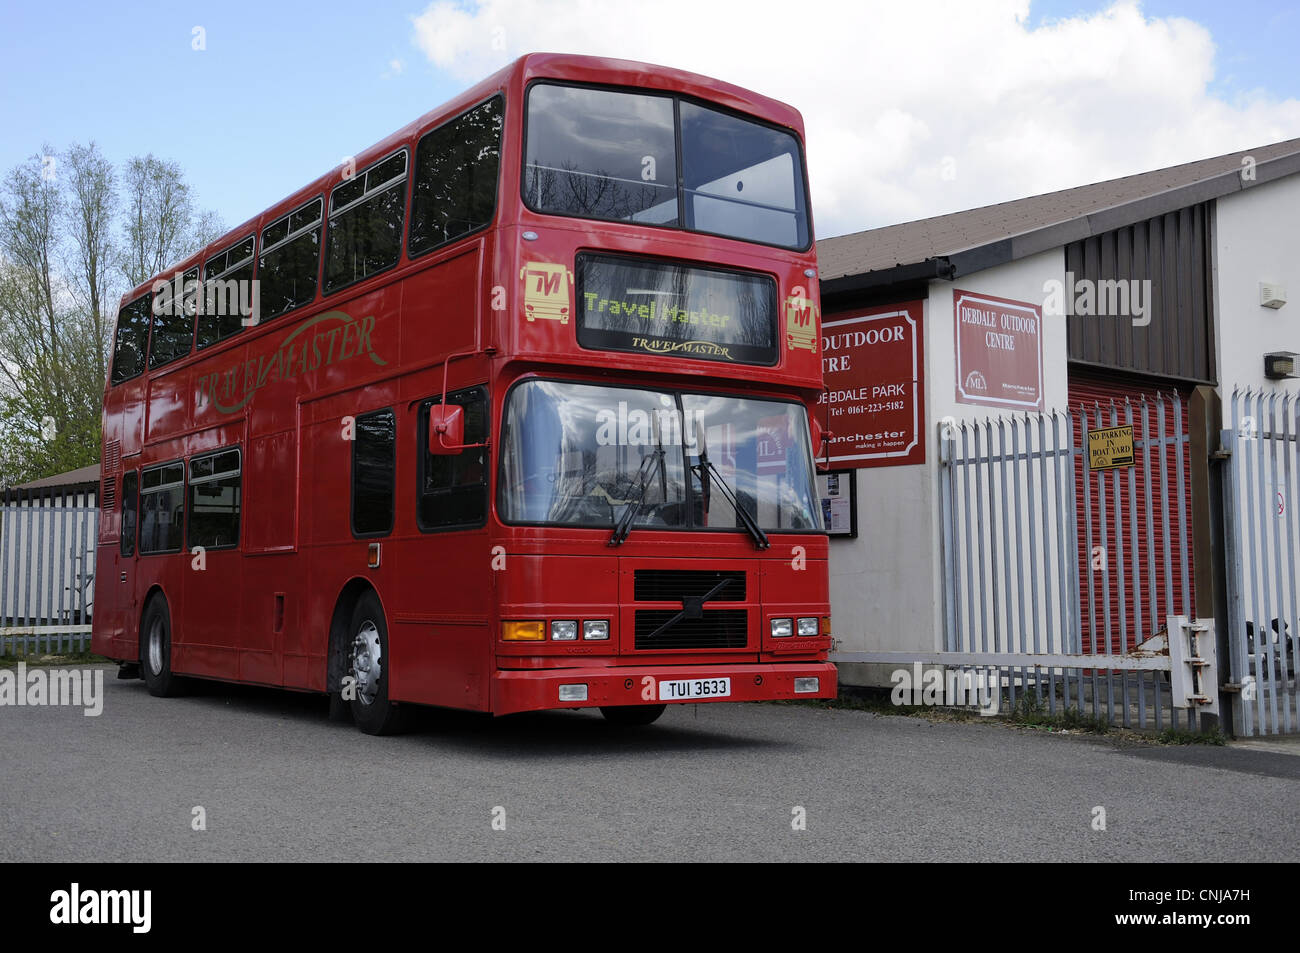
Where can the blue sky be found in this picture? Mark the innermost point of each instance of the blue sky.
(284, 90)
(1256, 39)
(281, 93)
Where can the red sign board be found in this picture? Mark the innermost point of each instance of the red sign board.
(999, 351)
(871, 361)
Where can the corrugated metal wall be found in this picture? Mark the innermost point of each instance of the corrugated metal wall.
(1173, 252)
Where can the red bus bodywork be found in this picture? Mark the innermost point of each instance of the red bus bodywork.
(266, 611)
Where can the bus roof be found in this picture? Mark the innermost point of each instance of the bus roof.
(562, 66)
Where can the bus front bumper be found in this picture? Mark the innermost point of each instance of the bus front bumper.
(539, 689)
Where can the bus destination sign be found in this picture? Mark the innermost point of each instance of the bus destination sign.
(627, 304)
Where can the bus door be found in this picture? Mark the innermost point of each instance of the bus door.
(214, 571)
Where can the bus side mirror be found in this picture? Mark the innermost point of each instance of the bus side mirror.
(446, 429)
(821, 439)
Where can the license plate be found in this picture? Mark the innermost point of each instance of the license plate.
(679, 688)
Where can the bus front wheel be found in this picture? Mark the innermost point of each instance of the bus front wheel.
(369, 667)
(632, 715)
(156, 650)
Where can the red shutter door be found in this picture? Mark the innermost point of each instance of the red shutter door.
(1129, 565)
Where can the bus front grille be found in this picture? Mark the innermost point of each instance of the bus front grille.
(715, 629)
(674, 585)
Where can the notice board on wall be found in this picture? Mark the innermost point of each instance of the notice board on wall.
(999, 350)
(874, 404)
(839, 498)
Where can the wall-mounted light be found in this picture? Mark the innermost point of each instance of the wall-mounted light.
(1280, 365)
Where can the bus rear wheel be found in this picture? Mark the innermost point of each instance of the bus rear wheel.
(369, 666)
(156, 650)
(632, 715)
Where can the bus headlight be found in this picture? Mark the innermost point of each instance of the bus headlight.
(782, 628)
(564, 631)
(808, 626)
(573, 693)
(596, 630)
(807, 686)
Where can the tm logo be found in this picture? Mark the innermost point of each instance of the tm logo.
(546, 291)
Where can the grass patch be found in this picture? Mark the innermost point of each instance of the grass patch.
(45, 658)
(1030, 712)
(1181, 736)
(877, 701)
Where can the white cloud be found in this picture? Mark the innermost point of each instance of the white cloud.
(888, 91)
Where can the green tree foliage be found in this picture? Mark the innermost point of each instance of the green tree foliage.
(74, 236)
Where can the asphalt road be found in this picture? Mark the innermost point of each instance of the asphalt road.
(277, 781)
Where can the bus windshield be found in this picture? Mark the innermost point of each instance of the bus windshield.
(575, 455)
(599, 153)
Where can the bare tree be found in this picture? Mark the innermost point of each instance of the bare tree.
(30, 212)
(158, 211)
(62, 261)
(91, 188)
(206, 228)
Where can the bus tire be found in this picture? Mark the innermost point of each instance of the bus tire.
(368, 667)
(156, 650)
(632, 716)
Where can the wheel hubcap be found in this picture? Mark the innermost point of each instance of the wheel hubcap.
(156, 647)
(366, 662)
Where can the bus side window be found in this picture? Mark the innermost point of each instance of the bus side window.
(215, 488)
(364, 236)
(453, 489)
(130, 507)
(162, 508)
(455, 187)
(132, 340)
(374, 472)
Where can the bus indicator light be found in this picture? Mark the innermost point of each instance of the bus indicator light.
(523, 631)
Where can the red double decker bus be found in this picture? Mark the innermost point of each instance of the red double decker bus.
(511, 413)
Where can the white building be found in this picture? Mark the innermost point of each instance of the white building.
(1164, 282)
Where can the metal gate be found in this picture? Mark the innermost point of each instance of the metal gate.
(1069, 578)
(1261, 487)
(1025, 537)
(47, 565)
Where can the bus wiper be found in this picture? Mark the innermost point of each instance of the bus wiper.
(706, 467)
(625, 521)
